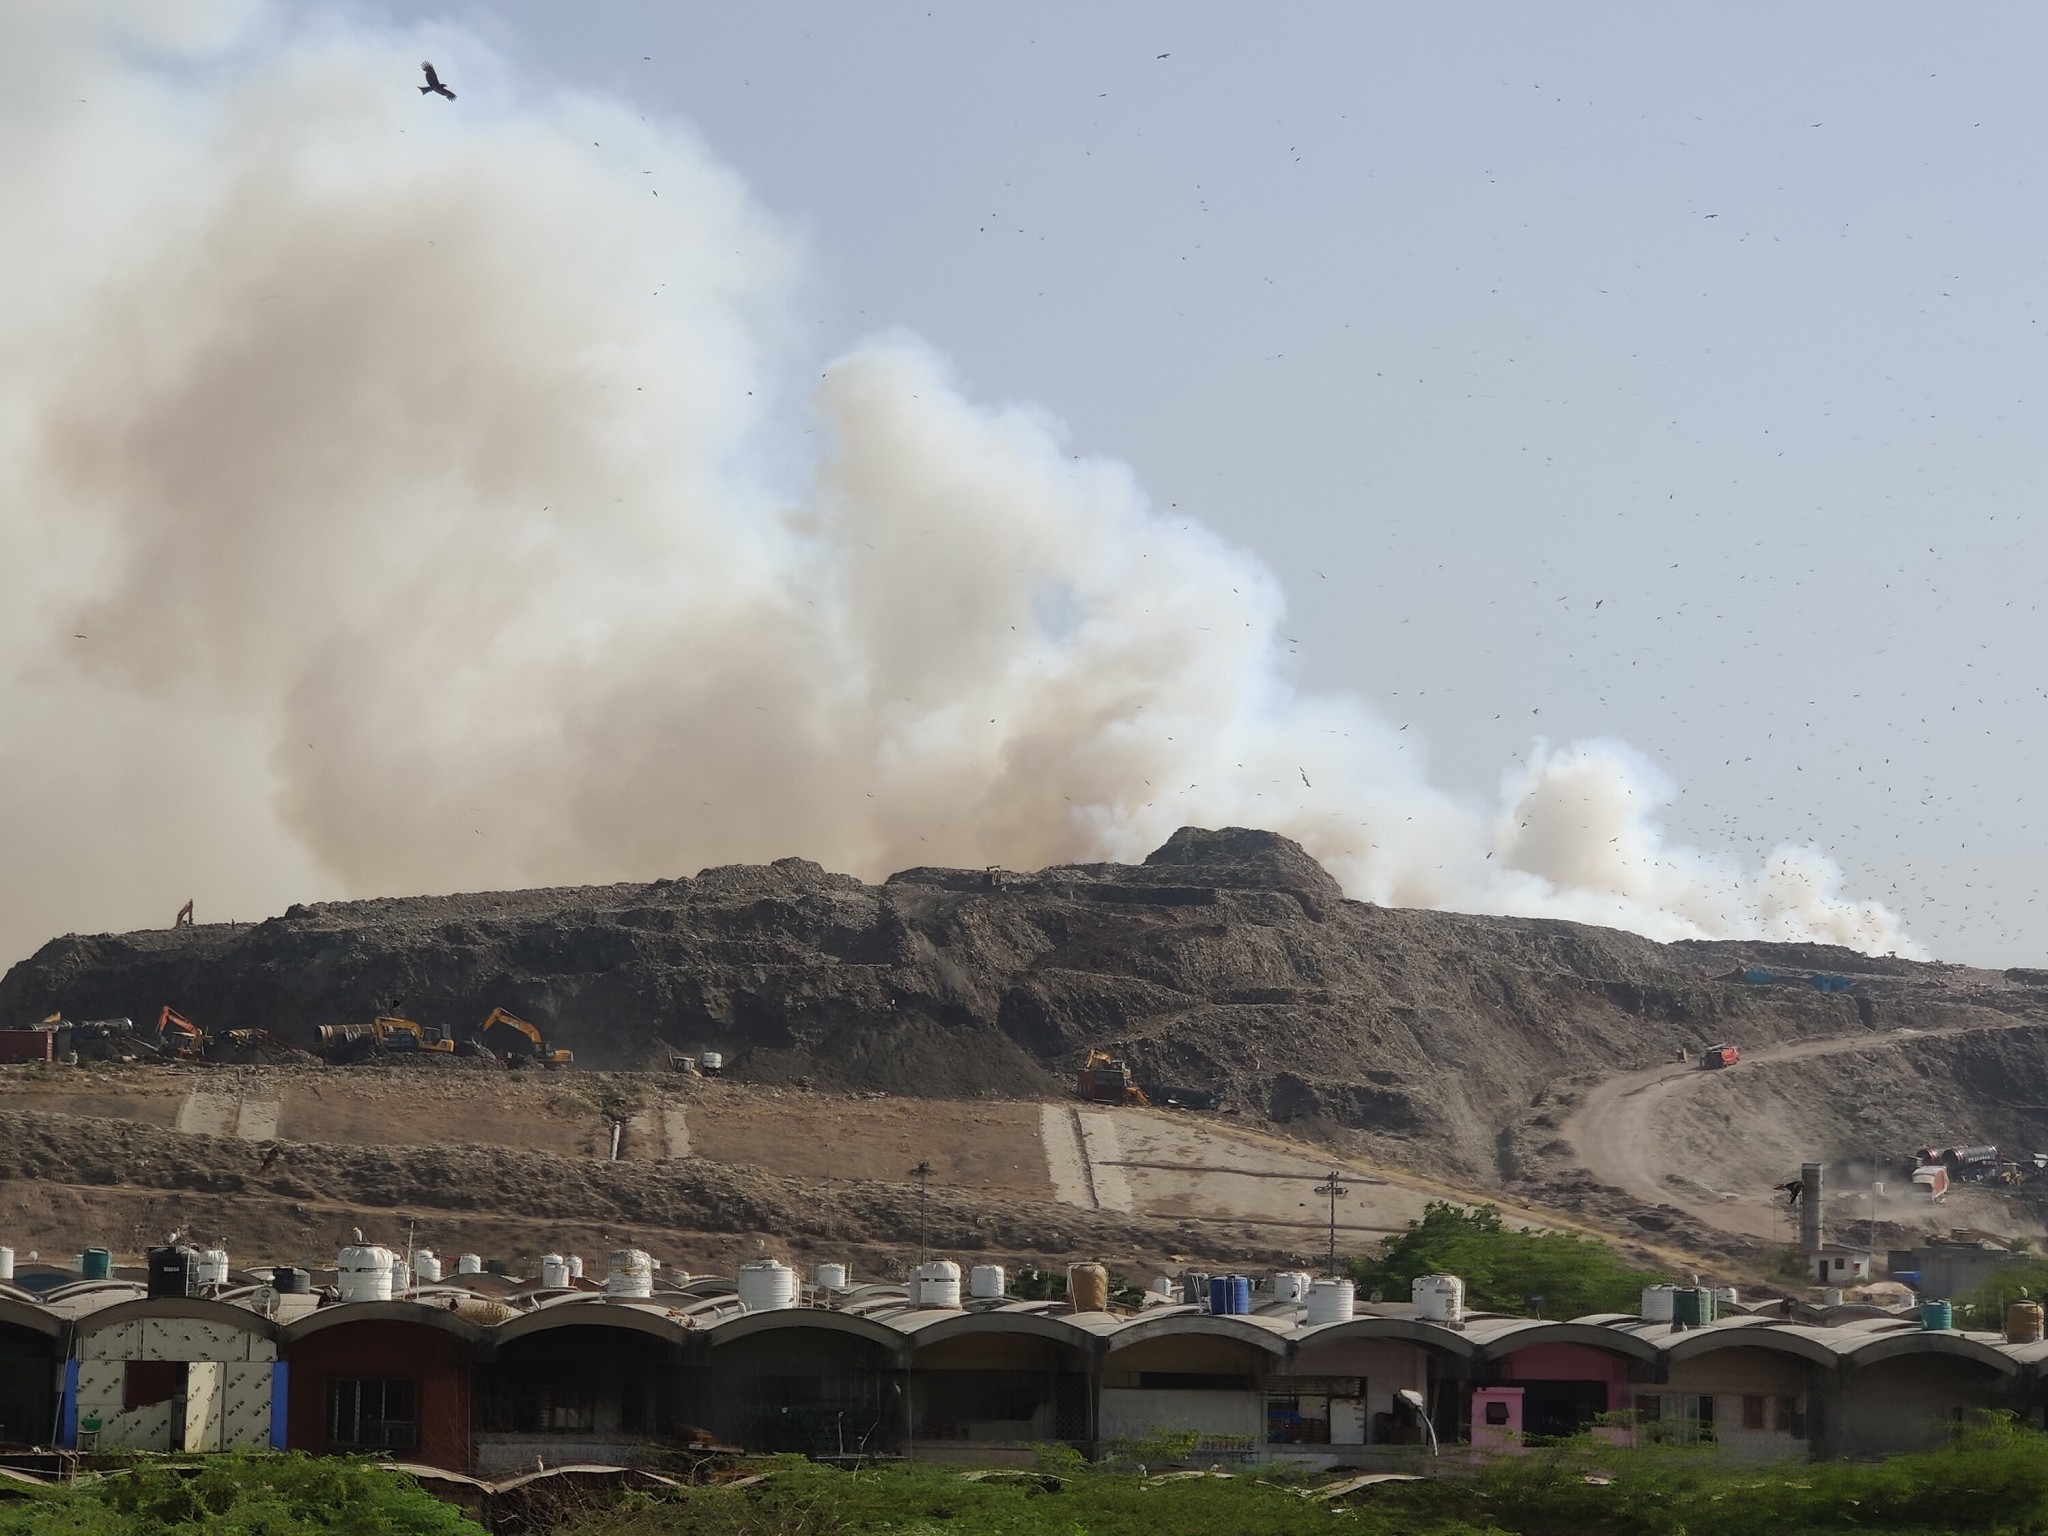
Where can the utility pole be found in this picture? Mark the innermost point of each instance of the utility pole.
(923, 1170)
(1333, 1189)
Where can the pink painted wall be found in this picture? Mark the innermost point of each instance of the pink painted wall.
(1497, 1437)
(1569, 1362)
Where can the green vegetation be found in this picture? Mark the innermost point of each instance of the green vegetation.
(1505, 1269)
(1985, 1306)
(1994, 1478)
(238, 1495)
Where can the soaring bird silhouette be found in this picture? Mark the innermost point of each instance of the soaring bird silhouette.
(434, 84)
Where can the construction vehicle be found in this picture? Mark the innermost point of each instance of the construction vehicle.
(517, 1043)
(1720, 1056)
(1106, 1079)
(177, 1035)
(382, 1036)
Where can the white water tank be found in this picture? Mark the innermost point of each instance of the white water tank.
(469, 1264)
(210, 1267)
(554, 1272)
(401, 1277)
(363, 1272)
(1725, 1298)
(1290, 1285)
(575, 1266)
(986, 1282)
(1831, 1297)
(6, 1264)
(426, 1266)
(1439, 1299)
(631, 1273)
(1658, 1302)
(832, 1277)
(1331, 1301)
(936, 1284)
(767, 1285)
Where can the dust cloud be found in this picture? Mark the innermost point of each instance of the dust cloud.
(409, 496)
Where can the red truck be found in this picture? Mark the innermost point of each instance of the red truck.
(1720, 1056)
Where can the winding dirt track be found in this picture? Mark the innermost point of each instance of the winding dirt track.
(1610, 1129)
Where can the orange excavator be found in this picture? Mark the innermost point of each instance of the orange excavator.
(517, 1043)
(177, 1035)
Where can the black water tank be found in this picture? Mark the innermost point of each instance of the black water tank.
(288, 1281)
(170, 1271)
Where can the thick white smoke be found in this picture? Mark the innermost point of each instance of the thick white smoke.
(381, 498)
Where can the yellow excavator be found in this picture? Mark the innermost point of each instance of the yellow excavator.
(385, 1035)
(517, 1043)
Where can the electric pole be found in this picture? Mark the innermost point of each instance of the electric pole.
(923, 1170)
(1333, 1189)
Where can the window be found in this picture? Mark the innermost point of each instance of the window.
(1752, 1412)
(371, 1414)
(517, 1404)
(1677, 1418)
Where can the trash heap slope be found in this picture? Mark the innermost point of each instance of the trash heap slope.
(1228, 959)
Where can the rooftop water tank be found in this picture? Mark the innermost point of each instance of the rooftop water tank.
(1230, 1295)
(1291, 1285)
(169, 1270)
(631, 1273)
(96, 1264)
(1692, 1306)
(1937, 1316)
(987, 1282)
(363, 1272)
(554, 1272)
(210, 1268)
(469, 1264)
(2023, 1323)
(1657, 1303)
(936, 1284)
(288, 1280)
(832, 1277)
(1331, 1301)
(426, 1266)
(1439, 1299)
(1194, 1288)
(401, 1277)
(1088, 1287)
(575, 1266)
(1831, 1297)
(6, 1264)
(1725, 1298)
(767, 1285)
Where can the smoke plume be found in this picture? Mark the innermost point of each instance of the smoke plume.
(388, 493)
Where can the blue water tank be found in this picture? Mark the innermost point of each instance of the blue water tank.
(1219, 1294)
(1935, 1316)
(1240, 1295)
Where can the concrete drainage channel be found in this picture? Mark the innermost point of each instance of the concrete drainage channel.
(235, 1111)
(660, 1131)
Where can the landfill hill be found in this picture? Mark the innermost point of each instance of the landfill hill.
(1228, 960)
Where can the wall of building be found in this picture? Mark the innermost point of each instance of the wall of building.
(175, 1384)
(1761, 1398)
(29, 1373)
(437, 1364)
(813, 1390)
(999, 1389)
(1911, 1403)
(575, 1394)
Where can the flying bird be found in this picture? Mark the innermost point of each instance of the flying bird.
(434, 85)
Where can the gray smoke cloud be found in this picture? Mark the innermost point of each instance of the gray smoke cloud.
(405, 472)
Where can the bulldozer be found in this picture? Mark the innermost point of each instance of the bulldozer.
(517, 1043)
(1106, 1079)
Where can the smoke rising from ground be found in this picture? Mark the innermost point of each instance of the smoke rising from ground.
(400, 465)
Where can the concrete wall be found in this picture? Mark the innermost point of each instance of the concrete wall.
(1225, 1421)
(1913, 1403)
(1735, 1377)
(436, 1363)
(176, 1384)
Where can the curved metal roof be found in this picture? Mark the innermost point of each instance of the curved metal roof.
(1531, 1332)
(579, 1310)
(192, 1308)
(1984, 1349)
(439, 1319)
(1405, 1330)
(749, 1323)
(1244, 1330)
(31, 1315)
(956, 1325)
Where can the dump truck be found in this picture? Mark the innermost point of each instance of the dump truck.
(382, 1036)
(1720, 1056)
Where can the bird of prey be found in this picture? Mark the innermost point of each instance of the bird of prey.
(434, 84)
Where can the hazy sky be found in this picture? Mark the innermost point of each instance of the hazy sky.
(1579, 373)
(1665, 373)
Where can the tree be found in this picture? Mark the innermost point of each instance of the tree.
(1505, 1269)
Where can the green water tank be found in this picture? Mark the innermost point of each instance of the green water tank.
(97, 1264)
(1692, 1306)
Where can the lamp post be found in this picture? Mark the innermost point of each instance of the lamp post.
(1414, 1400)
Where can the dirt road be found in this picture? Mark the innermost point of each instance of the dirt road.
(1612, 1129)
